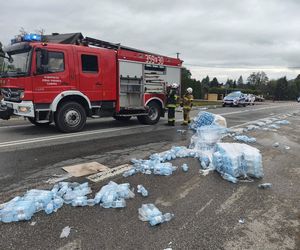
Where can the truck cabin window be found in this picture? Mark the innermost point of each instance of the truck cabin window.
(89, 64)
(54, 64)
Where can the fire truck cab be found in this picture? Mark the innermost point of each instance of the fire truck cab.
(65, 78)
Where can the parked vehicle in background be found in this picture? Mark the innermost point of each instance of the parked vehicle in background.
(250, 99)
(236, 98)
(259, 98)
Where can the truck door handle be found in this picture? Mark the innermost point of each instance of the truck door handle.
(98, 83)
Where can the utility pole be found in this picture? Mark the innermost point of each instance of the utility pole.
(177, 54)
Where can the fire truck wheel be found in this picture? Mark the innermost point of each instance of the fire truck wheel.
(33, 121)
(70, 117)
(153, 114)
(122, 118)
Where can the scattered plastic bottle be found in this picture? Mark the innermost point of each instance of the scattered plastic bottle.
(120, 203)
(265, 185)
(156, 220)
(49, 208)
(185, 167)
(168, 217)
(141, 189)
(130, 172)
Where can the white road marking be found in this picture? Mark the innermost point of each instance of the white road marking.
(17, 126)
(202, 208)
(57, 137)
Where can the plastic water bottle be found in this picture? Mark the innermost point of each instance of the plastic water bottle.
(141, 189)
(49, 208)
(130, 172)
(156, 220)
(265, 185)
(168, 217)
(90, 202)
(120, 203)
(185, 167)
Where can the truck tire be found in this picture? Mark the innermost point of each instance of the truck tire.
(153, 114)
(122, 118)
(70, 117)
(38, 124)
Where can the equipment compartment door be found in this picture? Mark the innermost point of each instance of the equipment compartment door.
(90, 75)
(131, 84)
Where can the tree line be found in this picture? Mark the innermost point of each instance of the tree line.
(256, 83)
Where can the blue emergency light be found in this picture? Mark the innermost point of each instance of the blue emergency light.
(27, 38)
(32, 37)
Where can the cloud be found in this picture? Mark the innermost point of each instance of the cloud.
(215, 34)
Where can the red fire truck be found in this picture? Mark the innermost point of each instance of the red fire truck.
(65, 78)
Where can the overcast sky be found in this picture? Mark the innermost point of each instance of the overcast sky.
(222, 38)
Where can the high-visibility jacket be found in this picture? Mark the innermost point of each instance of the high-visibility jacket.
(172, 99)
(187, 101)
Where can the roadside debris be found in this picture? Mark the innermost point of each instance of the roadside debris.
(149, 212)
(287, 147)
(113, 195)
(185, 167)
(23, 208)
(65, 232)
(142, 190)
(182, 131)
(205, 172)
(283, 122)
(32, 223)
(244, 138)
(265, 185)
(275, 145)
(241, 221)
(85, 169)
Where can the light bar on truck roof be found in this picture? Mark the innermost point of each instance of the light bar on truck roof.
(27, 38)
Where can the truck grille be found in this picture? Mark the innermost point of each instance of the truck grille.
(12, 95)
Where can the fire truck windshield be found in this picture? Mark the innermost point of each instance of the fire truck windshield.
(18, 65)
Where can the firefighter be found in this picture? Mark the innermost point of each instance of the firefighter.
(187, 104)
(171, 103)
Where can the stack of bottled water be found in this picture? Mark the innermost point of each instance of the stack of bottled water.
(35, 200)
(23, 208)
(207, 119)
(149, 212)
(113, 195)
(73, 193)
(233, 160)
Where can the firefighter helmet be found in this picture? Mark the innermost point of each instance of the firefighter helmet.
(174, 85)
(189, 90)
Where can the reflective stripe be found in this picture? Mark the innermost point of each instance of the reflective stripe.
(171, 120)
(171, 106)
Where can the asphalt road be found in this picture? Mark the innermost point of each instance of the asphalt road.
(207, 208)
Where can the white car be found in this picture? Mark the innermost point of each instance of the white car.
(250, 99)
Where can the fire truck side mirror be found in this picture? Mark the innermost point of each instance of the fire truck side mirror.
(41, 61)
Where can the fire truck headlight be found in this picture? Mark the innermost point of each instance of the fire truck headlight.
(24, 109)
